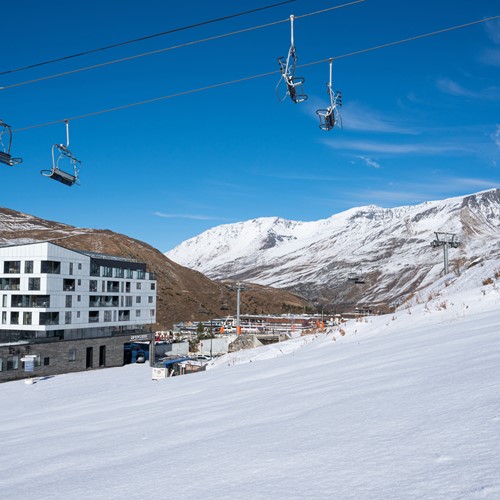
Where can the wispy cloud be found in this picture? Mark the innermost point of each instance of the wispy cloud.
(394, 148)
(493, 30)
(453, 88)
(361, 118)
(185, 216)
(496, 136)
(370, 162)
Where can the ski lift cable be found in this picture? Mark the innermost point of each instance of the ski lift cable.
(254, 77)
(174, 47)
(147, 37)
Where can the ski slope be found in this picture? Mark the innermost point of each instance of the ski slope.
(401, 406)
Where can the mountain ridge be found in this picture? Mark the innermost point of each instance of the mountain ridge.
(388, 247)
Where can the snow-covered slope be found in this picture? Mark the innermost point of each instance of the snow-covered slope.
(389, 248)
(400, 406)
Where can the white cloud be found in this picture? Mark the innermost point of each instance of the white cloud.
(453, 88)
(496, 136)
(493, 30)
(369, 162)
(185, 216)
(392, 148)
(358, 117)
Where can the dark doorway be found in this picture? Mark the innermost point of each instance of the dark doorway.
(90, 355)
(102, 355)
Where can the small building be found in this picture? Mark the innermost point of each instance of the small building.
(70, 310)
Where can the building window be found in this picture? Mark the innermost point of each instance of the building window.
(93, 286)
(129, 274)
(72, 354)
(4, 317)
(107, 316)
(34, 284)
(107, 272)
(67, 317)
(128, 301)
(2, 365)
(79, 266)
(12, 362)
(119, 273)
(46, 361)
(93, 316)
(77, 314)
(153, 286)
(27, 318)
(124, 315)
(69, 285)
(113, 287)
(12, 267)
(4, 300)
(50, 267)
(150, 299)
(137, 313)
(152, 313)
(30, 301)
(69, 300)
(70, 268)
(28, 267)
(79, 282)
(138, 299)
(14, 318)
(78, 298)
(95, 269)
(127, 287)
(49, 318)
(137, 286)
(9, 283)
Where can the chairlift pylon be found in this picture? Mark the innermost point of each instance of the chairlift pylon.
(330, 116)
(5, 156)
(56, 173)
(287, 67)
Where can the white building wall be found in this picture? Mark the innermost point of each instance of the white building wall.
(73, 266)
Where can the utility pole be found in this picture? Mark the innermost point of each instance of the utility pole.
(445, 240)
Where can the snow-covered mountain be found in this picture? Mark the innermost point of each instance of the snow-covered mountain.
(388, 249)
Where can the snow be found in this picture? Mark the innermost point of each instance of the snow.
(401, 406)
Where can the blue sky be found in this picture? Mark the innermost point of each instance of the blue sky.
(421, 119)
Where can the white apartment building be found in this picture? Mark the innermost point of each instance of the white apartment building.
(72, 310)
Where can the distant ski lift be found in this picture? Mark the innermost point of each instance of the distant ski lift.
(330, 116)
(287, 67)
(356, 278)
(5, 145)
(56, 173)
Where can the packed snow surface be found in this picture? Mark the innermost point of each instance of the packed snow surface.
(399, 406)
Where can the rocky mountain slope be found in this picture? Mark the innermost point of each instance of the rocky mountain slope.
(368, 256)
(183, 294)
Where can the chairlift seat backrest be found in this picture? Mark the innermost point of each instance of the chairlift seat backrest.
(295, 90)
(326, 118)
(63, 177)
(7, 159)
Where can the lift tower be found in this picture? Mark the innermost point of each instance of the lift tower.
(445, 240)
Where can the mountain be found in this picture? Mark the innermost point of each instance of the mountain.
(385, 251)
(182, 294)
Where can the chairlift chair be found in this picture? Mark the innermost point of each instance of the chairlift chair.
(5, 156)
(330, 116)
(293, 83)
(56, 173)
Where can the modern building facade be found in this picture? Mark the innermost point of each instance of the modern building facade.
(63, 310)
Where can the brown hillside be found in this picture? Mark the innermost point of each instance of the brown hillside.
(183, 294)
